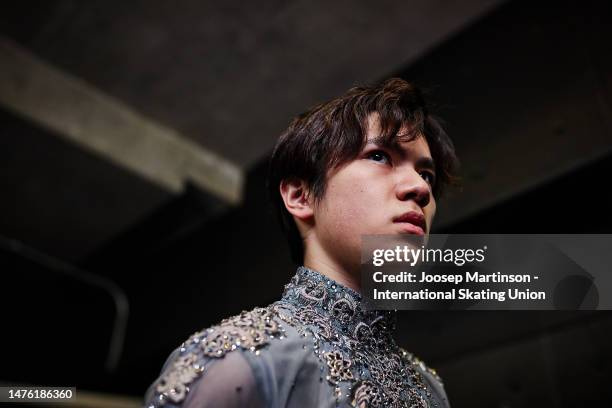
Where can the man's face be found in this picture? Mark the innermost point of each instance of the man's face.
(385, 190)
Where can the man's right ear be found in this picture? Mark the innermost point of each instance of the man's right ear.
(296, 198)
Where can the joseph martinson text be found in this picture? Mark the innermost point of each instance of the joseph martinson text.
(456, 293)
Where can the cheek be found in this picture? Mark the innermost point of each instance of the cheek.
(430, 211)
(352, 205)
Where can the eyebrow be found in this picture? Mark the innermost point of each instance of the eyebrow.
(425, 162)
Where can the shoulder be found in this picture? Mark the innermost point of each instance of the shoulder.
(430, 376)
(251, 334)
(420, 365)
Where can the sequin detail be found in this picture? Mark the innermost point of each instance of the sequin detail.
(358, 356)
(248, 330)
(367, 395)
(417, 362)
(174, 385)
(355, 346)
(339, 367)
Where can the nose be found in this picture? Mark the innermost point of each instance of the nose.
(412, 186)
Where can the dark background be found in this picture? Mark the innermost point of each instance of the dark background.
(106, 270)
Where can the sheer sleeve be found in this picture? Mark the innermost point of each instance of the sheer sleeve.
(210, 368)
(227, 383)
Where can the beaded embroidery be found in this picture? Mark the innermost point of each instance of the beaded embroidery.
(174, 385)
(248, 330)
(339, 367)
(367, 394)
(355, 347)
(414, 360)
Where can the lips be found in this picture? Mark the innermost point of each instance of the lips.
(412, 222)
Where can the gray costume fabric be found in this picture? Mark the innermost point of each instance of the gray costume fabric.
(316, 347)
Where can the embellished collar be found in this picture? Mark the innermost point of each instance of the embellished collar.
(340, 304)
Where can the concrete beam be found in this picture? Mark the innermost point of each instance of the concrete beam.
(231, 78)
(78, 112)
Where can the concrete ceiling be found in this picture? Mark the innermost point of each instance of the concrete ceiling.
(229, 76)
(143, 97)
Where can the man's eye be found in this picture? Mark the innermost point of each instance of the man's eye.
(428, 177)
(379, 156)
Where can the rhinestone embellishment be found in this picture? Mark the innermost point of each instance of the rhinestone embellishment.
(249, 331)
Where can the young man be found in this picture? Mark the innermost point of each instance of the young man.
(372, 161)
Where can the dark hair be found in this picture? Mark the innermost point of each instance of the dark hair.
(333, 133)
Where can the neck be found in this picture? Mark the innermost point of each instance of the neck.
(317, 259)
